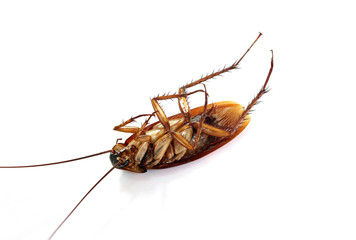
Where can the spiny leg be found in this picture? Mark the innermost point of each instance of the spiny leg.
(165, 122)
(182, 101)
(184, 141)
(254, 101)
(201, 126)
(139, 136)
(214, 74)
(159, 111)
(123, 128)
(184, 105)
(162, 144)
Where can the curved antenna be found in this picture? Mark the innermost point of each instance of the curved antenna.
(54, 163)
(91, 189)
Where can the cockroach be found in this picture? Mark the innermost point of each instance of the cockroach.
(177, 139)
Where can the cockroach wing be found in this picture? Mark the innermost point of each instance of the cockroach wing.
(223, 115)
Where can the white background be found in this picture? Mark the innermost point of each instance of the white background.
(71, 70)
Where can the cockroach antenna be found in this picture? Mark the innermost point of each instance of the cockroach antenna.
(60, 162)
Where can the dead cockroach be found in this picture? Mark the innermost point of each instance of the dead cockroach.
(178, 139)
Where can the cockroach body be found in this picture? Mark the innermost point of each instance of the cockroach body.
(178, 139)
(163, 152)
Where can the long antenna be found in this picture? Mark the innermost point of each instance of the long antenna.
(91, 189)
(54, 163)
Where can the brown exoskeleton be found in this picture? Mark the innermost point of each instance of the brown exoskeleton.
(178, 139)
(183, 137)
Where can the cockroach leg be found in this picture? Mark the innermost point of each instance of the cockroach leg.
(176, 136)
(233, 66)
(143, 138)
(130, 129)
(211, 130)
(199, 126)
(254, 101)
(202, 119)
(183, 102)
(145, 123)
(159, 111)
(211, 109)
(138, 135)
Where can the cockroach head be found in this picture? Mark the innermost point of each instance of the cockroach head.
(115, 159)
(121, 155)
